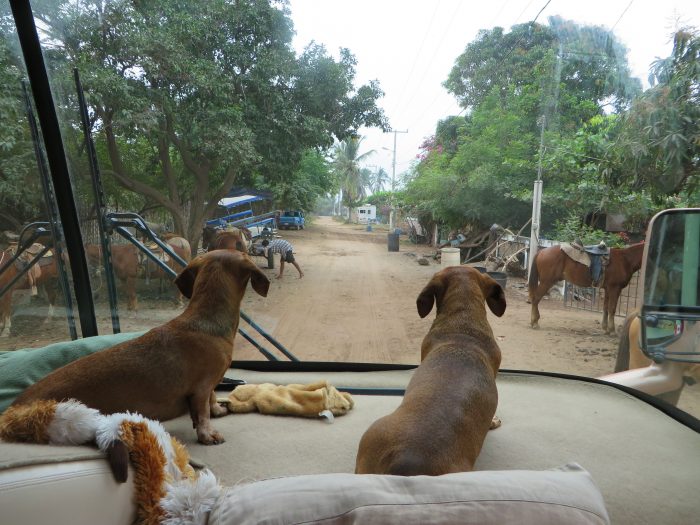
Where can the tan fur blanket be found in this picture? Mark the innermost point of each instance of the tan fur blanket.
(578, 255)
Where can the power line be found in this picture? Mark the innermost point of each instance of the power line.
(623, 14)
(502, 61)
(506, 56)
(437, 48)
(521, 12)
(420, 49)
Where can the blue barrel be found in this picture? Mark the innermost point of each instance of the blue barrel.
(393, 239)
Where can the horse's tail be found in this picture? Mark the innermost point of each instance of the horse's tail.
(534, 279)
(622, 362)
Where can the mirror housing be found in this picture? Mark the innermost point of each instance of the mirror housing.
(670, 312)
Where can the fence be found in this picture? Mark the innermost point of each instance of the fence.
(591, 299)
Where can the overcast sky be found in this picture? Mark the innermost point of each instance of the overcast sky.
(411, 46)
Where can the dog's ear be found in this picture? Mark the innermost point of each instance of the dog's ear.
(493, 294)
(428, 296)
(185, 280)
(258, 280)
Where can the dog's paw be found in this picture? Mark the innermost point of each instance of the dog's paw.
(495, 423)
(217, 410)
(210, 438)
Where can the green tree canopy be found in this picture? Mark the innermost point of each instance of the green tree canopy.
(659, 142)
(521, 91)
(190, 99)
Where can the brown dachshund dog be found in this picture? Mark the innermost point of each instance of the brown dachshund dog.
(450, 402)
(174, 368)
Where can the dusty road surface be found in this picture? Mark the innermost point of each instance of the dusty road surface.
(357, 303)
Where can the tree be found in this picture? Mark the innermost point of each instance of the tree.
(378, 180)
(522, 92)
(190, 99)
(346, 166)
(659, 143)
(20, 191)
(312, 180)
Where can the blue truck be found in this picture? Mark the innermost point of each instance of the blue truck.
(291, 219)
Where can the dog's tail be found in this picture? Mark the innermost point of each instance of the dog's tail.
(534, 280)
(622, 362)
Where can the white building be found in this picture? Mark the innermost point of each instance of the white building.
(366, 213)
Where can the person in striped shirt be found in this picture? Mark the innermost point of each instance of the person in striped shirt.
(286, 251)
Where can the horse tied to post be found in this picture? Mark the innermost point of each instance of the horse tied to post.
(553, 264)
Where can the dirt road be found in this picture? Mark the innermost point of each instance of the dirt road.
(357, 302)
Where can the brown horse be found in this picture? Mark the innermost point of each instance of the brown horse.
(44, 274)
(230, 238)
(552, 265)
(130, 263)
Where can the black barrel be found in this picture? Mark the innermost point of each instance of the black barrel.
(500, 277)
(393, 240)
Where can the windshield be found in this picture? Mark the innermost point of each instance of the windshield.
(408, 136)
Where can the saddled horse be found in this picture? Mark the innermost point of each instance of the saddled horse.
(230, 237)
(43, 274)
(130, 263)
(552, 265)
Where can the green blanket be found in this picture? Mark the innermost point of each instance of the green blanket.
(21, 368)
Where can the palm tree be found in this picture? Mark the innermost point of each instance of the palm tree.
(381, 177)
(346, 166)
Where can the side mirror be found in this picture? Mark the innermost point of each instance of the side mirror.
(670, 312)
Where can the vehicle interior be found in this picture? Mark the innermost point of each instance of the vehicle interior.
(130, 124)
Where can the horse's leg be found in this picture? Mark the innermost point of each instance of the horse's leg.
(5, 302)
(536, 296)
(132, 303)
(604, 321)
(612, 294)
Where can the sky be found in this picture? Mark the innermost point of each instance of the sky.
(410, 48)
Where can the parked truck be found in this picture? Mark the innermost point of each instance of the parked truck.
(291, 219)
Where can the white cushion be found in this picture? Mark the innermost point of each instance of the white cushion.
(566, 495)
(79, 492)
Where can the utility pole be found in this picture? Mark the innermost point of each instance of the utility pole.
(537, 188)
(393, 180)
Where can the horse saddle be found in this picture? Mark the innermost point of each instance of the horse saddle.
(157, 250)
(24, 259)
(595, 256)
(31, 251)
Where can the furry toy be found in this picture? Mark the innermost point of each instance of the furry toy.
(167, 489)
(310, 400)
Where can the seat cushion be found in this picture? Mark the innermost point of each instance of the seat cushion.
(564, 495)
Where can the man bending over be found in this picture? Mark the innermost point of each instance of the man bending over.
(286, 251)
